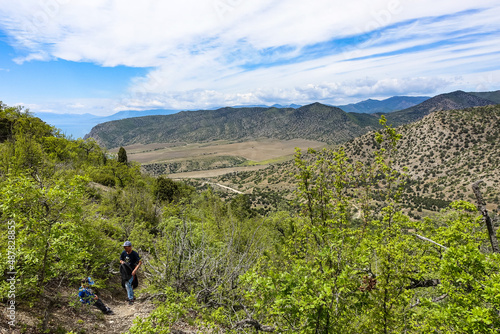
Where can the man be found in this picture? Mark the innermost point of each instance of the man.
(130, 262)
(88, 297)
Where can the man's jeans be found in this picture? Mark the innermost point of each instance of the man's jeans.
(130, 290)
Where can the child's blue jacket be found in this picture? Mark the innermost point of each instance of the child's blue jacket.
(86, 295)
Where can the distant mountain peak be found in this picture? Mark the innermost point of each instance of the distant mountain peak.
(372, 106)
(447, 101)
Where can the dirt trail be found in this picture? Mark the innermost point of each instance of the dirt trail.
(123, 317)
(68, 314)
(124, 314)
(223, 186)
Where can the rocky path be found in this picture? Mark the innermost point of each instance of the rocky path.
(124, 314)
(68, 314)
(123, 317)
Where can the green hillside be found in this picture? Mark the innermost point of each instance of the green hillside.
(394, 103)
(315, 121)
(445, 152)
(492, 96)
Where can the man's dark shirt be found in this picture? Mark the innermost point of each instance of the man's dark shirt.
(131, 259)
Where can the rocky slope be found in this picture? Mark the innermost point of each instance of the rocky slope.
(445, 152)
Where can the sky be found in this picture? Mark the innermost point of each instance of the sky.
(105, 56)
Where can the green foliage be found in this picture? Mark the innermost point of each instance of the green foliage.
(54, 240)
(314, 284)
(174, 307)
(44, 191)
(353, 265)
(468, 274)
(240, 206)
(115, 173)
(127, 209)
(166, 189)
(200, 246)
(103, 176)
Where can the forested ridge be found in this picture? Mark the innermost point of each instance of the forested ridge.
(315, 121)
(343, 257)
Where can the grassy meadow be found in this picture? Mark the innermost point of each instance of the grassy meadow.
(215, 158)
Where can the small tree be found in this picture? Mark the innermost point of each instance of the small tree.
(166, 189)
(122, 156)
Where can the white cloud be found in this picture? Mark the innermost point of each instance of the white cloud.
(95, 106)
(198, 49)
(327, 92)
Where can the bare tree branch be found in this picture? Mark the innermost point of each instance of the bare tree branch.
(245, 323)
(481, 206)
(434, 300)
(429, 240)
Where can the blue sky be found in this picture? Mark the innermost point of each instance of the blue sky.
(104, 56)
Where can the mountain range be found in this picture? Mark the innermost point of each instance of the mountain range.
(394, 103)
(78, 125)
(449, 101)
(316, 121)
(492, 96)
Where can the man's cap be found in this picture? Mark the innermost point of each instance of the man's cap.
(127, 244)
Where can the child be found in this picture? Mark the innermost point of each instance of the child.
(88, 297)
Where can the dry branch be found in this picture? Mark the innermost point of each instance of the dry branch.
(429, 240)
(481, 206)
(434, 300)
(245, 323)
